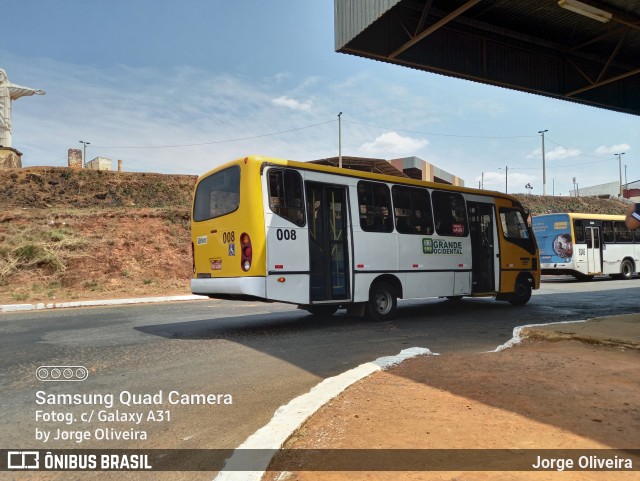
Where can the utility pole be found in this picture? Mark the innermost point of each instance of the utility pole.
(544, 170)
(482, 185)
(84, 155)
(626, 185)
(620, 172)
(340, 140)
(506, 178)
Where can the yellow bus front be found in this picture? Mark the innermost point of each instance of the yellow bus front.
(228, 232)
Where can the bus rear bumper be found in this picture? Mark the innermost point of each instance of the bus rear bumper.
(230, 286)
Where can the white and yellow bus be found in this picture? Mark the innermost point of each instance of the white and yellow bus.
(324, 238)
(586, 245)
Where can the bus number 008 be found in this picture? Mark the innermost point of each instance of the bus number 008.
(228, 237)
(286, 234)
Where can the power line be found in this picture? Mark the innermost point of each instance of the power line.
(216, 141)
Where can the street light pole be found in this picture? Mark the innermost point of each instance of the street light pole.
(84, 156)
(620, 172)
(544, 170)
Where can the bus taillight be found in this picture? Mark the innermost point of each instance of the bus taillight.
(247, 252)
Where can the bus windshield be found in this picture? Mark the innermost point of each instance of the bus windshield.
(217, 195)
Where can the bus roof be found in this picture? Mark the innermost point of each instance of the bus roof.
(359, 174)
(580, 215)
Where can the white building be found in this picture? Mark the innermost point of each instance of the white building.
(100, 163)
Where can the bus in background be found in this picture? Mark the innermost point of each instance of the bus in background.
(324, 238)
(586, 245)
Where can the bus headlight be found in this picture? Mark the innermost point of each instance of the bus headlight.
(247, 252)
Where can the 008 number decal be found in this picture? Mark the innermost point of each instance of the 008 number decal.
(228, 237)
(286, 234)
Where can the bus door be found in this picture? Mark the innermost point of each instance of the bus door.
(483, 258)
(594, 257)
(328, 242)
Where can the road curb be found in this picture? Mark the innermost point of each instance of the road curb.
(103, 302)
(266, 440)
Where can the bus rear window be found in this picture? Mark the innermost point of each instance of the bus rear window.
(217, 195)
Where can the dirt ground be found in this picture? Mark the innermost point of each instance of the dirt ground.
(535, 396)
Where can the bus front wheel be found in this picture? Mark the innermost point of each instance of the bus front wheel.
(382, 302)
(522, 292)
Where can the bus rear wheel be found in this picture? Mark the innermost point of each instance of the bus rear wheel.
(521, 293)
(382, 302)
(626, 269)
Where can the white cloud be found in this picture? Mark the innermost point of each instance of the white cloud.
(559, 153)
(614, 149)
(516, 181)
(292, 104)
(391, 144)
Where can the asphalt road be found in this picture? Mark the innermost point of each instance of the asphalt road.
(262, 355)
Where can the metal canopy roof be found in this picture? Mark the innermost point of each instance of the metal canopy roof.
(529, 45)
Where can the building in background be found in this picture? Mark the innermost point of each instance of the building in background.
(416, 168)
(99, 163)
(609, 190)
(412, 167)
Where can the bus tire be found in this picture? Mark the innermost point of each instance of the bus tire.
(626, 269)
(321, 310)
(382, 303)
(522, 292)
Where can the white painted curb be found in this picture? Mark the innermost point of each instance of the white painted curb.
(289, 417)
(103, 302)
(517, 334)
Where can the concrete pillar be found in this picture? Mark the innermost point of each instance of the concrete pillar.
(75, 158)
(119, 165)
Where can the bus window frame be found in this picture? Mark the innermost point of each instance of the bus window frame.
(203, 180)
(302, 209)
(620, 226)
(371, 185)
(414, 207)
(579, 228)
(435, 195)
(608, 236)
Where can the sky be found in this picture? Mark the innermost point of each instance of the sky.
(183, 87)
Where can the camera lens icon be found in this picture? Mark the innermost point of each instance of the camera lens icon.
(62, 373)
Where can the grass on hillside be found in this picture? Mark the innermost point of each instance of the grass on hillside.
(37, 246)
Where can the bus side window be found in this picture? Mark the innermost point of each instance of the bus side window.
(374, 206)
(450, 213)
(607, 232)
(578, 228)
(412, 210)
(623, 233)
(285, 195)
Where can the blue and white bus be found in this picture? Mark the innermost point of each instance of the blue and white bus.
(586, 245)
